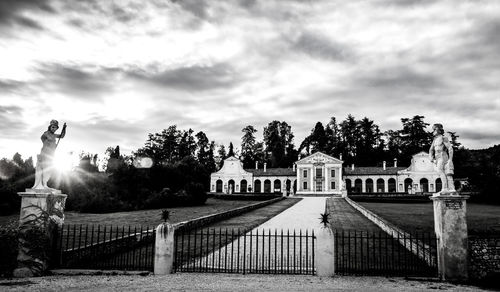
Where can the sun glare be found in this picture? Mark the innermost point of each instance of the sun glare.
(65, 161)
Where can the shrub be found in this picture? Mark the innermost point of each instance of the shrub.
(197, 193)
(8, 248)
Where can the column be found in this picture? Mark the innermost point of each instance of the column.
(450, 225)
(41, 217)
(363, 185)
(386, 185)
(311, 179)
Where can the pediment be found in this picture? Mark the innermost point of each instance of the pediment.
(319, 158)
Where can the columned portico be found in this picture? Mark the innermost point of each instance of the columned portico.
(319, 174)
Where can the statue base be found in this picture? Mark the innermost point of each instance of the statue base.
(42, 214)
(450, 225)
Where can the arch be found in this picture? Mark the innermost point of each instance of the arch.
(257, 186)
(439, 185)
(267, 186)
(424, 185)
(243, 186)
(369, 185)
(392, 185)
(358, 185)
(381, 185)
(218, 186)
(277, 186)
(230, 186)
(348, 185)
(408, 184)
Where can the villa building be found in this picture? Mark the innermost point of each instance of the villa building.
(321, 174)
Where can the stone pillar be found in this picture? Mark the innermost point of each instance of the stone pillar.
(450, 225)
(164, 249)
(325, 252)
(41, 216)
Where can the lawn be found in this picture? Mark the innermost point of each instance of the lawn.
(147, 217)
(417, 217)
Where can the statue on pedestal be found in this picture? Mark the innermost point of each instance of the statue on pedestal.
(44, 165)
(441, 153)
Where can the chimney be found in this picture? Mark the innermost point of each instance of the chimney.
(383, 163)
(340, 156)
(352, 166)
(293, 167)
(265, 166)
(395, 162)
(256, 165)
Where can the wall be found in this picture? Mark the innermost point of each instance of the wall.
(484, 257)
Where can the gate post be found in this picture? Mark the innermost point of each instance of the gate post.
(325, 253)
(42, 213)
(164, 249)
(450, 225)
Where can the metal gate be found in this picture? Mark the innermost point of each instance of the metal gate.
(235, 251)
(369, 253)
(104, 247)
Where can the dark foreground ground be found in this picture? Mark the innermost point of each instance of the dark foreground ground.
(224, 282)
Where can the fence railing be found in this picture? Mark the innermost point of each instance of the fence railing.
(235, 251)
(365, 253)
(104, 247)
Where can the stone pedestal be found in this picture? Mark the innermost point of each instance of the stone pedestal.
(42, 213)
(164, 249)
(450, 225)
(325, 253)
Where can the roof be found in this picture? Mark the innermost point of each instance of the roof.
(273, 172)
(372, 170)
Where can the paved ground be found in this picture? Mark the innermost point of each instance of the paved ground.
(264, 249)
(224, 282)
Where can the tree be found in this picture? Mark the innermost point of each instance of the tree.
(221, 155)
(350, 135)
(278, 140)
(333, 146)
(205, 153)
(318, 138)
(414, 137)
(248, 146)
(368, 142)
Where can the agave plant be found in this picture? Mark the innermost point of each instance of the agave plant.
(324, 219)
(165, 215)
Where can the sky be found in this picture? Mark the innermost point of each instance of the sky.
(115, 71)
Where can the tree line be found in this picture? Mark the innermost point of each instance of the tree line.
(174, 165)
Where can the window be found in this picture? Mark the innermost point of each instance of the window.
(333, 172)
(305, 185)
(333, 185)
(305, 172)
(319, 172)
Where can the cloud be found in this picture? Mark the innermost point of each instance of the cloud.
(319, 46)
(11, 13)
(74, 80)
(193, 78)
(12, 123)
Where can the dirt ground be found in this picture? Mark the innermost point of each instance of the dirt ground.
(224, 282)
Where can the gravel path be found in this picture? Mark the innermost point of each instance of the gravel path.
(224, 282)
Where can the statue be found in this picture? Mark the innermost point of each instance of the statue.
(44, 165)
(441, 153)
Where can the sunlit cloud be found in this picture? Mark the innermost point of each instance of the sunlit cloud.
(116, 71)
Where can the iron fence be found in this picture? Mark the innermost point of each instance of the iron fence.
(104, 247)
(235, 251)
(368, 253)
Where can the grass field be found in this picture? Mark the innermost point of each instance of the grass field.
(416, 217)
(147, 217)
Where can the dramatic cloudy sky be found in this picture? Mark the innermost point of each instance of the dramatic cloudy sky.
(118, 70)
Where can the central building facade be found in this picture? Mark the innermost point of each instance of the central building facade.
(319, 174)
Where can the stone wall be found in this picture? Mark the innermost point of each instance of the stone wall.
(484, 256)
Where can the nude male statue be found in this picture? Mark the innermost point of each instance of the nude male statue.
(441, 153)
(44, 166)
